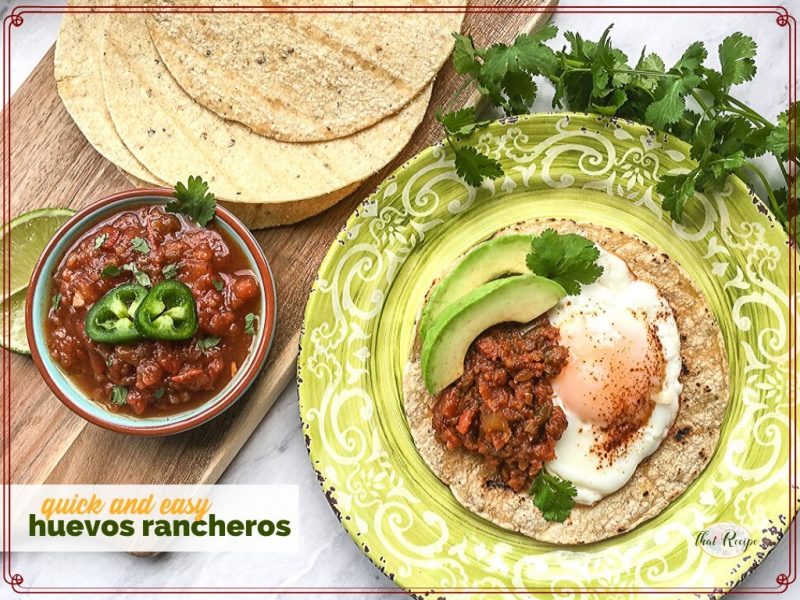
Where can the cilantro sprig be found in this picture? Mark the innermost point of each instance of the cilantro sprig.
(568, 259)
(552, 495)
(688, 99)
(504, 74)
(193, 200)
(472, 166)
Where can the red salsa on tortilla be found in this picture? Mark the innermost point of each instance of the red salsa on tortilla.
(502, 405)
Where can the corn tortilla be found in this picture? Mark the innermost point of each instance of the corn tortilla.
(175, 137)
(659, 479)
(305, 77)
(258, 216)
(80, 85)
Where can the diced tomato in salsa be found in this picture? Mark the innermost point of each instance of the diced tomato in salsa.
(159, 376)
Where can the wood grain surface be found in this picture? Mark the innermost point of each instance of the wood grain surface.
(53, 165)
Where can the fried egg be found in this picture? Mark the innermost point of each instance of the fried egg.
(620, 388)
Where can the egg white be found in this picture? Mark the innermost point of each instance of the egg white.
(617, 290)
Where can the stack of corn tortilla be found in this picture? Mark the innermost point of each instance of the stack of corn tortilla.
(283, 113)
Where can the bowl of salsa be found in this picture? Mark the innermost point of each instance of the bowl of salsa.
(148, 316)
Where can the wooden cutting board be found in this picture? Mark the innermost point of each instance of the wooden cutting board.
(53, 165)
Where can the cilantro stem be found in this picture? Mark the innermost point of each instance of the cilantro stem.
(701, 102)
(453, 146)
(783, 170)
(647, 73)
(763, 178)
(464, 85)
(741, 113)
(754, 116)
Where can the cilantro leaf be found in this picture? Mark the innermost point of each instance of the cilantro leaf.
(464, 55)
(669, 97)
(250, 320)
(159, 393)
(111, 270)
(208, 342)
(736, 53)
(520, 91)
(100, 240)
(703, 139)
(552, 495)
(692, 59)
(579, 49)
(56, 301)
(671, 102)
(611, 104)
(650, 63)
(140, 245)
(781, 209)
(218, 284)
(736, 133)
(495, 67)
(505, 73)
(675, 191)
(473, 167)
(193, 200)
(141, 277)
(119, 395)
(528, 53)
(460, 122)
(714, 172)
(777, 141)
(170, 271)
(604, 64)
(568, 259)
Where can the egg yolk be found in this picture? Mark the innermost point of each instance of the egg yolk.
(615, 366)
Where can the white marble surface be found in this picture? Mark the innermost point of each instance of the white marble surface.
(276, 453)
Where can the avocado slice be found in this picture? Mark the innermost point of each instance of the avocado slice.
(504, 255)
(520, 299)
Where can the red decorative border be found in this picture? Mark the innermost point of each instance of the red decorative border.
(15, 19)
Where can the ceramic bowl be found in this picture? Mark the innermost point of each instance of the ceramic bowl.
(60, 382)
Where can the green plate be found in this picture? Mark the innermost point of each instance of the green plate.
(359, 327)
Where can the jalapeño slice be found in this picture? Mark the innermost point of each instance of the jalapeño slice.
(168, 312)
(111, 319)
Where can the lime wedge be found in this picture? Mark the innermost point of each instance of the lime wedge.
(29, 235)
(19, 339)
